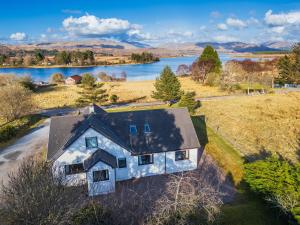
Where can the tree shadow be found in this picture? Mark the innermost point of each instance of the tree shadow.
(201, 129)
(261, 155)
(133, 100)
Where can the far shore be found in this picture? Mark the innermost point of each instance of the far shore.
(69, 66)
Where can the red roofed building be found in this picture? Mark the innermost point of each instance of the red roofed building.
(75, 79)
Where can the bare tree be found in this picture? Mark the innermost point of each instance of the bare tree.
(34, 196)
(15, 101)
(186, 194)
(200, 69)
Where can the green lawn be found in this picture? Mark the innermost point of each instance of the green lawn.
(247, 209)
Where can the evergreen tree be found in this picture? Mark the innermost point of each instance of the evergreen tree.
(188, 100)
(92, 94)
(285, 70)
(210, 54)
(167, 86)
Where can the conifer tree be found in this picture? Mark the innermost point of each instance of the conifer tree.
(210, 54)
(167, 86)
(92, 92)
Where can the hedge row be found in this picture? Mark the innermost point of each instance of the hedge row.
(14, 128)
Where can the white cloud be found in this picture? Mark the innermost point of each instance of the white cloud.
(225, 38)
(236, 23)
(19, 36)
(291, 18)
(92, 26)
(278, 30)
(43, 36)
(222, 26)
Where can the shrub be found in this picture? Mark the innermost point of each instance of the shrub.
(57, 78)
(278, 181)
(7, 132)
(88, 80)
(12, 129)
(34, 195)
(92, 214)
(27, 82)
(188, 100)
(15, 101)
(212, 79)
(113, 98)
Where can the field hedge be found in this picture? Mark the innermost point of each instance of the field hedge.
(12, 129)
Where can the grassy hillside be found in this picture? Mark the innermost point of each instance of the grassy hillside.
(258, 124)
(131, 91)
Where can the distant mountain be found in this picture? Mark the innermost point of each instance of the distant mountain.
(84, 44)
(137, 44)
(241, 47)
(283, 45)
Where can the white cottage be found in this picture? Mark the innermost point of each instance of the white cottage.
(100, 148)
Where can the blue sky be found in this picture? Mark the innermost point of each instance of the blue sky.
(152, 22)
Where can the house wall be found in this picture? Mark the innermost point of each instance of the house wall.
(157, 167)
(101, 187)
(77, 153)
(173, 166)
(162, 162)
(70, 81)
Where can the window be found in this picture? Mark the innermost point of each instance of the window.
(74, 168)
(100, 175)
(122, 162)
(91, 142)
(145, 159)
(181, 155)
(133, 130)
(146, 128)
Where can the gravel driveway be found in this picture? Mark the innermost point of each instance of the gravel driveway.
(30, 144)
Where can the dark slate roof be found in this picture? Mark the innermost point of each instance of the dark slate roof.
(64, 130)
(100, 155)
(170, 130)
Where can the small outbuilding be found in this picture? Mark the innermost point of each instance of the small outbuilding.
(72, 80)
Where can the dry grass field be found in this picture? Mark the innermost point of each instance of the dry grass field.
(131, 91)
(258, 124)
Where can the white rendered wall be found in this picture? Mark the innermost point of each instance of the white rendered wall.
(173, 166)
(157, 167)
(77, 153)
(101, 187)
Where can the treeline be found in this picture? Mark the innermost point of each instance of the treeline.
(243, 75)
(145, 57)
(75, 58)
(44, 57)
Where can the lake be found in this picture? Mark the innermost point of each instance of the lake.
(134, 72)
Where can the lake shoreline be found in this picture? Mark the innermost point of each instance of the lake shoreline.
(72, 66)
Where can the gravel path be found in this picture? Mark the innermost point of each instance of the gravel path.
(28, 145)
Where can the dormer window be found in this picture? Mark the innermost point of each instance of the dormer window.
(91, 142)
(132, 129)
(147, 128)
